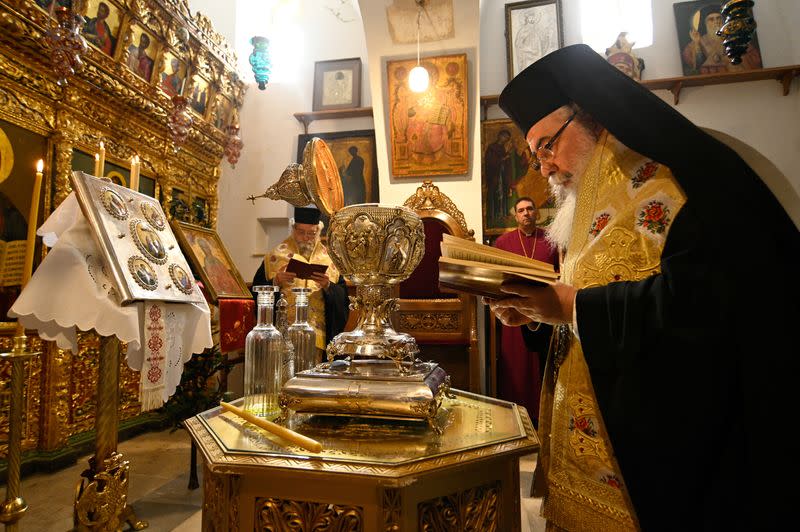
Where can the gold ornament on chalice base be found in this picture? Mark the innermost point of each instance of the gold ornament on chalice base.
(372, 370)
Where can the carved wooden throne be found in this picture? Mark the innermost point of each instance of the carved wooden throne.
(442, 321)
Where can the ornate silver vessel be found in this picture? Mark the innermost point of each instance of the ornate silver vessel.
(372, 370)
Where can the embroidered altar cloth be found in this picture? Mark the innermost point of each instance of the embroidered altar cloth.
(71, 290)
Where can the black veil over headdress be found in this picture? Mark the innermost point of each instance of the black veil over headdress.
(701, 348)
(646, 124)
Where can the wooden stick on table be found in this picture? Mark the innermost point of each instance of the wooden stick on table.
(298, 439)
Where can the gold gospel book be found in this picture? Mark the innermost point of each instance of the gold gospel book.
(139, 249)
(479, 269)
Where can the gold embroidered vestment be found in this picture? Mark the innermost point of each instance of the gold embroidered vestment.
(279, 257)
(625, 206)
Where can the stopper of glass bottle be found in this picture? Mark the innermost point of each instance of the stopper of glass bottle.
(301, 296)
(265, 294)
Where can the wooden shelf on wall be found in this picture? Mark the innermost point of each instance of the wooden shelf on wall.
(784, 75)
(307, 118)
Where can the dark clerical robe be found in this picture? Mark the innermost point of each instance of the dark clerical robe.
(522, 351)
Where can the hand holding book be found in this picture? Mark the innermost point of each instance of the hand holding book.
(305, 270)
(479, 269)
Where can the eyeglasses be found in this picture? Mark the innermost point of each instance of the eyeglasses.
(545, 153)
(308, 234)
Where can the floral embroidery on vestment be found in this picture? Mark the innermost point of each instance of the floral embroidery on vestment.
(599, 224)
(644, 173)
(655, 217)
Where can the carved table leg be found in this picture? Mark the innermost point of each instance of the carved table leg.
(101, 499)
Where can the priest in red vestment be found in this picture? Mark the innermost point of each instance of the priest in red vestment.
(523, 351)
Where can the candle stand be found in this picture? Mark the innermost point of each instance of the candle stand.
(101, 499)
(14, 507)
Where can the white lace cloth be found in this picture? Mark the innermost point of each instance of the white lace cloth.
(71, 290)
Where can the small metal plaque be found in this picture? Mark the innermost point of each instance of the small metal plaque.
(138, 247)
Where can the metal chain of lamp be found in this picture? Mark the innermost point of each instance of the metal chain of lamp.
(418, 78)
(66, 43)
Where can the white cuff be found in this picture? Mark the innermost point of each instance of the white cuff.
(575, 315)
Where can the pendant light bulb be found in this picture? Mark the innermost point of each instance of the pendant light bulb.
(418, 77)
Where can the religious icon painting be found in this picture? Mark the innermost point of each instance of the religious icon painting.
(428, 129)
(173, 75)
(114, 204)
(355, 156)
(701, 49)
(507, 176)
(210, 259)
(116, 177)
(181, 278)
(142, 51)
(152, 214)
(200, 211)
(102, 25)
(222, 112)
(144, 274)
(337, 84)
(199, 96)
(533, 30)
(178, 205)
(149, 243)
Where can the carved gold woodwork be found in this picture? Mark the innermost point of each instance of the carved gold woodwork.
(472, 509)
(272, 513)
(428, 197)
(31, 424)
(437, 320)
(371, 475)
(106, 102)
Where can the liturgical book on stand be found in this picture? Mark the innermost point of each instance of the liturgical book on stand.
(479, 269)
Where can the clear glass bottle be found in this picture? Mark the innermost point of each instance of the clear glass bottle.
(282, 324)
(302, 334)
(263, 358)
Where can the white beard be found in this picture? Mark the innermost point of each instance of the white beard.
(306, 249)
(564, 188)
(560, 229)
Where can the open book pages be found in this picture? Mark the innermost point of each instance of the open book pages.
(479, 269)
(304, 269)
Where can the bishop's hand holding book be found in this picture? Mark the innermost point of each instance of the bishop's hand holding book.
(468, 266)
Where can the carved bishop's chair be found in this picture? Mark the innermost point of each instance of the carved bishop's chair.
(443, 322)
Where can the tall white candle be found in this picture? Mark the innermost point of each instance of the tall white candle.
(102, 162)
(30, 243)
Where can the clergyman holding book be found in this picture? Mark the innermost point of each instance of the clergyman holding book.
(523, 350)
(328, 303)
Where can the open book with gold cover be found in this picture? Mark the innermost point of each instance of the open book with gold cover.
(479, 269)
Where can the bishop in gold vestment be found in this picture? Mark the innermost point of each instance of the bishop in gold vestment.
(328, 302)
(666, 388)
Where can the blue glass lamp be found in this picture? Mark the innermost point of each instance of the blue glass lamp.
(259, 60)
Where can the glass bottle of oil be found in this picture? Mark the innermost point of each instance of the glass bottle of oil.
(263, 358)
(302, 334)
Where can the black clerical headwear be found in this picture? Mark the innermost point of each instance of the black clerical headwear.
(306, 215)
(702, 165)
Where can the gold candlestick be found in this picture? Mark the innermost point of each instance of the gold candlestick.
(102, 162)
(14, 507)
